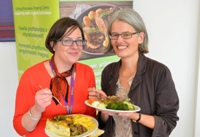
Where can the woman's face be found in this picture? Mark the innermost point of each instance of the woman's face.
(125, 47)
(69, 53)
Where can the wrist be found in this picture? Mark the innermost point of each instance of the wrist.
(138, 120)
(33, 117)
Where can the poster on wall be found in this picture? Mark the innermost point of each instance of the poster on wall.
(33, 20)
(94, 16)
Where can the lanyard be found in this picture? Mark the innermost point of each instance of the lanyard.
(71, 89)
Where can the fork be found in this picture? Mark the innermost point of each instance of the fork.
(56, 99)
(59, 102)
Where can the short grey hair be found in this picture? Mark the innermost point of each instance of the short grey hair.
(131, 17)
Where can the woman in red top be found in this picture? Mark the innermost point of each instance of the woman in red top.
(60, 78)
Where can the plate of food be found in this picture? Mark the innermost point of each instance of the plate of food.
(74, 125)
(113, 104)
(94, 21)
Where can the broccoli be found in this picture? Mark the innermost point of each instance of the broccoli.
(116, 103)
(130, 105)
(117, 106)
(122, 106)
(112, 105)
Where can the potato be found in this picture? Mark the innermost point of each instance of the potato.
(86, 21)
(91, 14)
(105, 43)
(98, 11)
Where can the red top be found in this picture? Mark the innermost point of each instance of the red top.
(36, 76)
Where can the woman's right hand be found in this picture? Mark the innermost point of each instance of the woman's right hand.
(96, 93)
(43, 99)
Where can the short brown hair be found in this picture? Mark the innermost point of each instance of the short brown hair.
(57, 31)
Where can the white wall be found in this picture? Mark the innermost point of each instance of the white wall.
(8, 84)
(197, 121)
(173, 33)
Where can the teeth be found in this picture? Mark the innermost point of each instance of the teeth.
(122, 47)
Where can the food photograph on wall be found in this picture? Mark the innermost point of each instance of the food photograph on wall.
(93, 16)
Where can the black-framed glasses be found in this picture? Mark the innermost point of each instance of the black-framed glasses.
(124, 35)
(69, 42)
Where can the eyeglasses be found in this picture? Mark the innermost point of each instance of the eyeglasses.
(124, 35)
(69, 42)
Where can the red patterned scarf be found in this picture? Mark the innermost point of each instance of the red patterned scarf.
(59, 84)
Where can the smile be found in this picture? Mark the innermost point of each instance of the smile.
(122, 47)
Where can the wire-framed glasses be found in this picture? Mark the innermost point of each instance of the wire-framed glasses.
(124, 35)
(69, 42)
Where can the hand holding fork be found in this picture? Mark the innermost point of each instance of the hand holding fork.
(55, 99)
(43, 99)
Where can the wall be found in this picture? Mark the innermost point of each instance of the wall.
(197, 120)
(173, 33)
(8, 84)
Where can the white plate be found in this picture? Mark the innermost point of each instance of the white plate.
(88, 133)
(137, 108)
